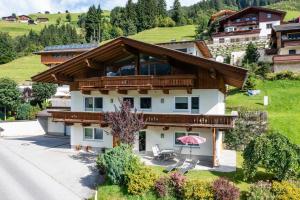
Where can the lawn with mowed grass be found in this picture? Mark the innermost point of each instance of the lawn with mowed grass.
(283, 109)
(114, 192)
(22, 68)
(17, 28)
(166, 34)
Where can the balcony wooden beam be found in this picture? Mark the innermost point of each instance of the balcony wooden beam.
(142, 91)
(165, 91)
(105, 92)
(62, 78)
(86, 92)
(86, 124)
(122, 91)
(165, 128)
(189, 129)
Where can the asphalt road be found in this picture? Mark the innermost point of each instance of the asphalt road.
(22, 179)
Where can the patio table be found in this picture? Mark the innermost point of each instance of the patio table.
(167, 154)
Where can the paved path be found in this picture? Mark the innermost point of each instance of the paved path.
(38, 167)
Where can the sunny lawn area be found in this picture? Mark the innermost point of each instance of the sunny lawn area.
(283, 109)
(115, 192)
(23, 68)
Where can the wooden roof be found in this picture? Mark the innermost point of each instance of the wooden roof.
(253, 9)
(122, 48)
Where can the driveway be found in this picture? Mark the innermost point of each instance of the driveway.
(41, 167)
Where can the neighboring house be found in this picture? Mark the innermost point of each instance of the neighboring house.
(24, 18)
(61, 101)
(54, 55)
(42, 20)
(179, 94)
(249, 24)
(285, 45)
(9, 19)
(196, 48)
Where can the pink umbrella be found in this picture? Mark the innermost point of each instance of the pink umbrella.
(191, 139)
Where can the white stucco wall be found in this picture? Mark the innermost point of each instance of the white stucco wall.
(285, 50)
(267, 31)
(211, 100)
(77, 138)
(293, 67)
(56, 127)
(153, 137)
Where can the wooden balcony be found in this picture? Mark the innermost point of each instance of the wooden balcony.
(164, 120)
(137, 82)
(286, 58)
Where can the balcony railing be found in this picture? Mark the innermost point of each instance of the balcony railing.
(139, 81)
(286, 58)
(173, 120)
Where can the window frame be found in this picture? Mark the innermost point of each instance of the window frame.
(143, 97)
(93, 134)
(93, 104)
(188, 104)
(269, 26)
(132, 106)
(292, 50)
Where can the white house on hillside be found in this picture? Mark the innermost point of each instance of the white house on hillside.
(179, 94)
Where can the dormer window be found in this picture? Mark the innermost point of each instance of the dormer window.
(269, 15)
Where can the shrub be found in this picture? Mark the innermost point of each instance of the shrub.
(198, 189)
(27, 112)
(10, 119)
(248, 126)
(285, 191)
(275, 153)
(250, 83)
(162, 187)
(284, 75)
(118, 162)
(177, 181)
(260, 191)
(141, 181)
(225, 190)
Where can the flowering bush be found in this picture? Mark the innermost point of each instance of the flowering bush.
(162, 187)
(285, 191)
(141, 181)
(225, 190)
(260, 190)
(198, 189)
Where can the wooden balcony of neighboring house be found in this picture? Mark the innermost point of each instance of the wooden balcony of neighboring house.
(286, 58)
(233, 33)
(291, 43)
(151, 119)
(241, 23)
(137, 82)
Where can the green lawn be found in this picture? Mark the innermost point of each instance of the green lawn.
(283, 109)
(115, 192)
(17, 28)
(157, 35)
(23, 68)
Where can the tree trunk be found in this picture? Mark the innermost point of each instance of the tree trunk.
(4, 113)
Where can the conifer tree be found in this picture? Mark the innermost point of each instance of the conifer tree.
(161, 8)
(93, 24)
(177, 14)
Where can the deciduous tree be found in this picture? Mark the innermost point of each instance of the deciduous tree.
(124, 123)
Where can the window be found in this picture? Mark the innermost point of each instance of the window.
(88, 104)
(195, 103)
(269, 15)
(131, 101)
(238, 20)
(292, 51)
(88, 133)
(180, 134)
(145, 103)
(221, 40)
(269, 26)
(98, 104)
(181, 103)
(93, 134)
(294, 36)
(182, 50)
(93, 103)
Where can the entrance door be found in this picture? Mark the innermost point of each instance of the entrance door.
(195, 104)
(142, 141)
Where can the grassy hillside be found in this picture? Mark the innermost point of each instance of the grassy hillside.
(17, 28)
(23, 68)
(292, 7)
(283, 109)
(157, 35)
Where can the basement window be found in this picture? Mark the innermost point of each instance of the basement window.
(90, 133)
